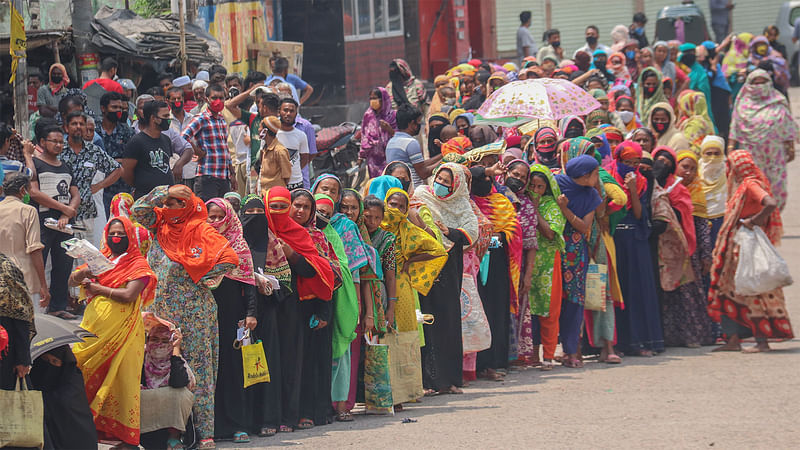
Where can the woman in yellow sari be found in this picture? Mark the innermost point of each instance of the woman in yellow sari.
(693, 119)
(112, 362)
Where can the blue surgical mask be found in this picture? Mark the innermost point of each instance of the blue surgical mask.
(639, 31)
(630, 54)
(441, 190)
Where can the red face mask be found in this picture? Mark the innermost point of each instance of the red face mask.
(216, 106)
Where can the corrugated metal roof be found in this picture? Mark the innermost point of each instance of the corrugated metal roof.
(508, 22)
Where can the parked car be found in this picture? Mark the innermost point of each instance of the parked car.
(682, 22)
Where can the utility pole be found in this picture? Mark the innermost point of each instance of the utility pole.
(82, 36)
(182, 21)
(21, 88)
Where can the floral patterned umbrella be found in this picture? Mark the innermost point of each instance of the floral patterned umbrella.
(541, 98)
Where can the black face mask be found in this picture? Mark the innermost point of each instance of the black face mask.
(516, 185)
(321, 221)
(117, 244)
(661, 171)
(591, 40)
(112, 117)
(176, 106)
(548, 159)
(164, 125)
(573, 132)
(405, 184)
(660, 127)
(689, 60)
(56, 79)
(481, 184)
(649, 91)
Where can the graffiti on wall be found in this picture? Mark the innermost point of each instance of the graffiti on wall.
(238, 23)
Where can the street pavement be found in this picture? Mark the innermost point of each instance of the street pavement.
(683, 398)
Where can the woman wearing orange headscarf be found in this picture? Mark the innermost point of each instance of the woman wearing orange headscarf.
(189, 256)
(111, 362)
(48, 95)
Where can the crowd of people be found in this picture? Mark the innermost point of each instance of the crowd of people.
(471, 249)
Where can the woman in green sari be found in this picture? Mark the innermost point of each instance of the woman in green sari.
(545, 290)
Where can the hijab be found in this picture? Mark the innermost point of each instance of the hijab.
(379, 186)
(411, 240)
(761, 113)
(742, 173)
(548, 207)
(188, 240)
(711, 172)
(265, 252)
(400, 78)
(436, 122)
(545, 155)
(391, 168)
(624, 151)
(295, 236)
(230, 227)
(55, 87)
(679, 198)
(695, 187)
(582, 199)
(372, 135)
(455, 209)
(644, 106)
(571, 120)
(738, 55)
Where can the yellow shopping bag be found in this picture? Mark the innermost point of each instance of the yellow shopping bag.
(254, 362)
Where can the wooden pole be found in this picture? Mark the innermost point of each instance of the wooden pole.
(182, 21)
(21, 90)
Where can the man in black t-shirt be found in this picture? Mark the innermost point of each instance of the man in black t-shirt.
(55, 195)
(145, 160)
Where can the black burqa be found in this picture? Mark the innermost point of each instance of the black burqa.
(267, 410)
(233, 404)
(443, 353)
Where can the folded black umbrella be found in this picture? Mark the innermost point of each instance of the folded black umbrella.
(53, 332)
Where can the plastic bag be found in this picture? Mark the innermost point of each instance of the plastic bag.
(596, 282)
(23, 417)
(475, 331)
(760, 269)
(254, 362)
(377, 382)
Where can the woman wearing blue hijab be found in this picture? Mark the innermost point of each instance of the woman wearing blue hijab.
(578, 200)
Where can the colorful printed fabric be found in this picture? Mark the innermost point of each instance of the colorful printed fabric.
(373, 137)
(231, 228)
(765, 314)
(574, 264)
(693, 118)
(761, 123)
(543, 282)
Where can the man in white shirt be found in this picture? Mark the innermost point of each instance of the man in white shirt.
(592, 33)
(526, 45)
(294, 140)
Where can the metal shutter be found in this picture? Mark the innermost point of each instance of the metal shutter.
(507, 16)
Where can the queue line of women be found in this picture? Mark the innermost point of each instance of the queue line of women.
(515, 232)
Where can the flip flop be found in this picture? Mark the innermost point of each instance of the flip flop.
(613, 359)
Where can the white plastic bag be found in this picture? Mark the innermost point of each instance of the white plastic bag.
(761, 269)
(84, 250)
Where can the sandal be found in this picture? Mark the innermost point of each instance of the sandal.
(240, 437)
(431, 392)
(207, 444)
(547, 366)
(305, 424)
(174, 444)
(286, 429)
(344, 416)
(572, 363)
(267, 432)
(452, 390)
(613, 359)
(63, 315)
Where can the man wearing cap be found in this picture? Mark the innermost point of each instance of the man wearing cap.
(185, 83)
(199, 93)
(108, 70)
(274, 167)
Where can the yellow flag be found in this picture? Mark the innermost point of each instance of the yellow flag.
(18, 41)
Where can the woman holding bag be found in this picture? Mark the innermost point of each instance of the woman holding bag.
(236, 303)
(764, 316)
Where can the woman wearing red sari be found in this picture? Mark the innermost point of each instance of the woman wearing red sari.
(764, 316)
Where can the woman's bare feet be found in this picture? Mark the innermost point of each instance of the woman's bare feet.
(760, 347)
(733, 345)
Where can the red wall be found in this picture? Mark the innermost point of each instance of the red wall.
(367, 64)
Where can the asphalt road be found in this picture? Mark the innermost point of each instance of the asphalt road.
(683, 398)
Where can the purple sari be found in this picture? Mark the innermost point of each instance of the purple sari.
(373, 138)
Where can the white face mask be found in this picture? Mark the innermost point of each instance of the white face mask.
(626, 116)
(712, 167)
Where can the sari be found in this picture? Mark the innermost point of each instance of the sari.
(544, 295)
(111, 363)
(373, 137)
(693, 119)
(761, 123)
(763, 316)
